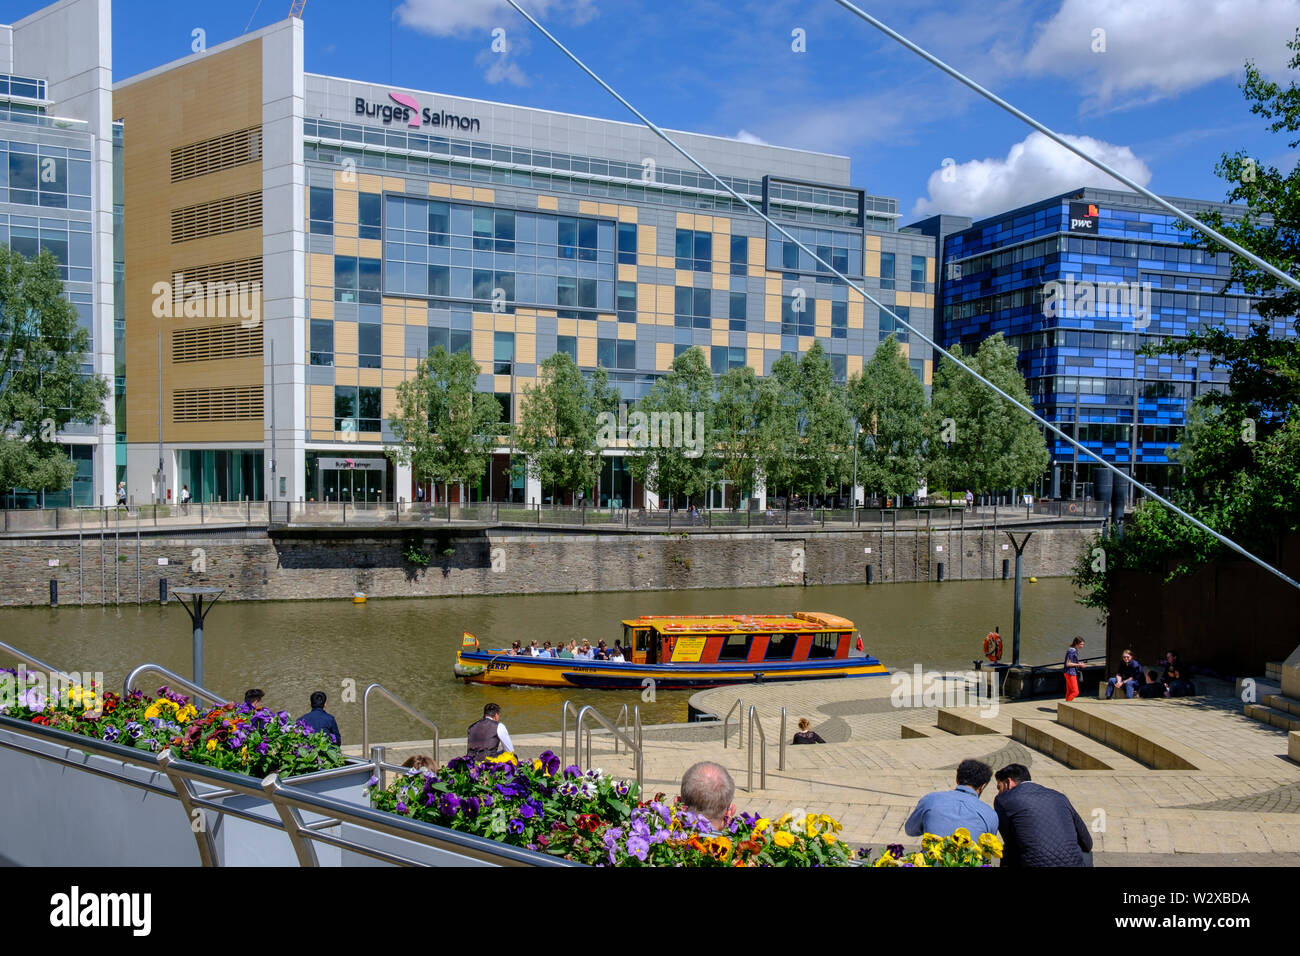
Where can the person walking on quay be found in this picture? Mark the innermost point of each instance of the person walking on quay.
(1130, 676)
(1039, 826)
(806, 734)
(121, 494)
(707, 790)
(1073, 669)
(487, 736)
(944, 812)
(970, 500)
(318, 719)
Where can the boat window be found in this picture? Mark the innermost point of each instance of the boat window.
(781, 647)
(735, 647)
(640, 637)
(823, 645)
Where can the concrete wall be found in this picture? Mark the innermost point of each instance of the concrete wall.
(307, 564)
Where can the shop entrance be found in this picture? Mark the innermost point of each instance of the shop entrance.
(355, 480)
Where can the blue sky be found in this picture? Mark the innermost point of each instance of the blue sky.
(1160, 100)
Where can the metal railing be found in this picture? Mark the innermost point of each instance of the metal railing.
(781, 760)
(754, 721)
(365, 719)
(632, 744)
(199, 693)
(740, 739)
(564, 733)
(34, 661)
(289, 801)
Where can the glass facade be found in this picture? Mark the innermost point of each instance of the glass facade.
(1079, 305)
(221, 475)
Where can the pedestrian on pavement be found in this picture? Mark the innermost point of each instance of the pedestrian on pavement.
(944, 812)
(1073, 669)
(1039, 826)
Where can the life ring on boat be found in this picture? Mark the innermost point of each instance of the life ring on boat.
(993, 646)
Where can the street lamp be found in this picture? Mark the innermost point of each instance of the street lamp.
(857, 431)
(197, 613)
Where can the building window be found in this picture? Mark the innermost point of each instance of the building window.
(439, 224)
(888, 326)
(886, 270)
(723, 359)
(569, 344)
(356, 280)
(367, 215)
(739, 255)
(839, 368)
(440, 280)
(320, 206)
(626, 304)
(627, 243)
(692, 307)
(797, 321)
(506, 401)
(450, 340)
(369, 347)
(738, 311)
(503, 353)
(918, 369)
(918, 273)
(615, 353)
(839, 320)
(577, 238)
(322, 342)
(694, 250)
(789, 255)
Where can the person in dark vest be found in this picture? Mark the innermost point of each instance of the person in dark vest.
(487, 736)
(318, 719)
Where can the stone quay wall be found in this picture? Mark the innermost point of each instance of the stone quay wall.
(312, 563)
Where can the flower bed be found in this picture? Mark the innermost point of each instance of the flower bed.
(593, 818)
(231, 737)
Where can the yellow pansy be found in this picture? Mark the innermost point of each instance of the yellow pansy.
(828, 837)
(785, 818)
(935, 850)
(507, 757)
(761, 824)
(961, 837)
(886, 860)
(212, 744)
(186, 713)
(783, 839)
(928, 838)
(243, 754)
(151, 711)
(991, 844)
(538, 765)
(917, 859)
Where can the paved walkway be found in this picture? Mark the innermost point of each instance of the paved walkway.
(1241, 808)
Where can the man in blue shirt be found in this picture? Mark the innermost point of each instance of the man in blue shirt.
(945, 812)
(318, 719)
(1130, 676)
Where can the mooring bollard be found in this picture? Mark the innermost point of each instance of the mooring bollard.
(54, 593)
(1006, 569)
(940, 570)
(870, 573)
(162, 590)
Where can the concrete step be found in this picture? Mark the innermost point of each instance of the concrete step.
(1293, 746)
(1273, 717)
(1077, 751)
(1250, 690)
(1280, 702)
(919, 731)
(970, 720)
(1120, 729)
(1273, 671)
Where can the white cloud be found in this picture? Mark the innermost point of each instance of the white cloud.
(1159, 48)
(745, 136)
(1033, 169)
(458, 17)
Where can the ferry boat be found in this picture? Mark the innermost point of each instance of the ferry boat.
(680, 652)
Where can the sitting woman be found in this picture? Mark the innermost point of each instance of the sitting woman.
(807, 735)
(1173, 678)
(421, 762)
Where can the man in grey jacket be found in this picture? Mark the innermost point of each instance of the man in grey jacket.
(1039, 826)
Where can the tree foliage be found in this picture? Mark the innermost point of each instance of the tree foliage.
(42, 384)
(993, 445)
(888, 402)
(736, 436)
(445, 429)
(677, 464)
(805, 440)
(559, 424)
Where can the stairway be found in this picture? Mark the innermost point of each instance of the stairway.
(1280, 707)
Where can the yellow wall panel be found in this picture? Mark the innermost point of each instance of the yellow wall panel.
(370, 377)
(754, 359)
(526, 347)
(704, 223)
(501, 383)
(345, 180)
(393, 377)
(855, 312)
(645, 241)
(462, 192)
(805, 343)
(441, 190)
(927, 371)
(369, 183)
(587, 352)
(665, 303)
(757, 252)
(608, 209)
(754, 340)
(320, 269)
(685, 278)
(394, 339)
(663, 356)
(773, 287)
(394, 184)
(588, 208)
(344, 360)
(322, 401)
(665, 320)
(482, 346)
(525, 323)
(722, 225)
(686, 220)
(484, 195)
(772, 308)
(586, 327)
(566, 326)
(482, 322)
(344, 247)
(626, 273)
(664, 262)
(822, 313)
(873, 243)
(370, 248)
(626, 330)
(505, 322)
(871, 263)
(322, 310)
(345, 338)
(547, 202)
(854, 364)
(719, 337)
(929, 268)
(773, 340)
(721, 281)
(345, 207)
(345, 230)
(627, 213)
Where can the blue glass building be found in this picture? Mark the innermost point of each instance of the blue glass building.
(1078, 284)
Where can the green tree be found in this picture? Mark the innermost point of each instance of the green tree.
(888, 402)
(983, 441)
(560, 426)
(669, 430)
(736, 436)
(445, 428)
(42, 386)
(804, 432)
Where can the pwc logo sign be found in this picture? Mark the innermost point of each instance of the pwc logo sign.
(1084, 217)
(408, 111)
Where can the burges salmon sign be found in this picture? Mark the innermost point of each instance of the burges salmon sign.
(408, 111)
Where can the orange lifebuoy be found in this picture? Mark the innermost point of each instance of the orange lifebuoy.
(860, 642)
(993, 647)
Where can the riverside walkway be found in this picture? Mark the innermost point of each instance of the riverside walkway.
(1230, 796)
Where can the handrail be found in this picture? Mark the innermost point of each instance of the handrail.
(781, 762)
(29, 659)
(631, 745)
(175, 678)
(762, 751)
(564, 733)
(740, 728)
(365, 719)
(622, 716)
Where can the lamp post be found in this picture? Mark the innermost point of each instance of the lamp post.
(197, 613)
(856, 436)
(1015, 619)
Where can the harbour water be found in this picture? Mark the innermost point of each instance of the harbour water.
(290, 649)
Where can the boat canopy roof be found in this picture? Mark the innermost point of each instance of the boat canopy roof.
(799, 621)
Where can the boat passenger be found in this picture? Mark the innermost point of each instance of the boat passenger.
(616, 655)
(565, 653)
(601, 654)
